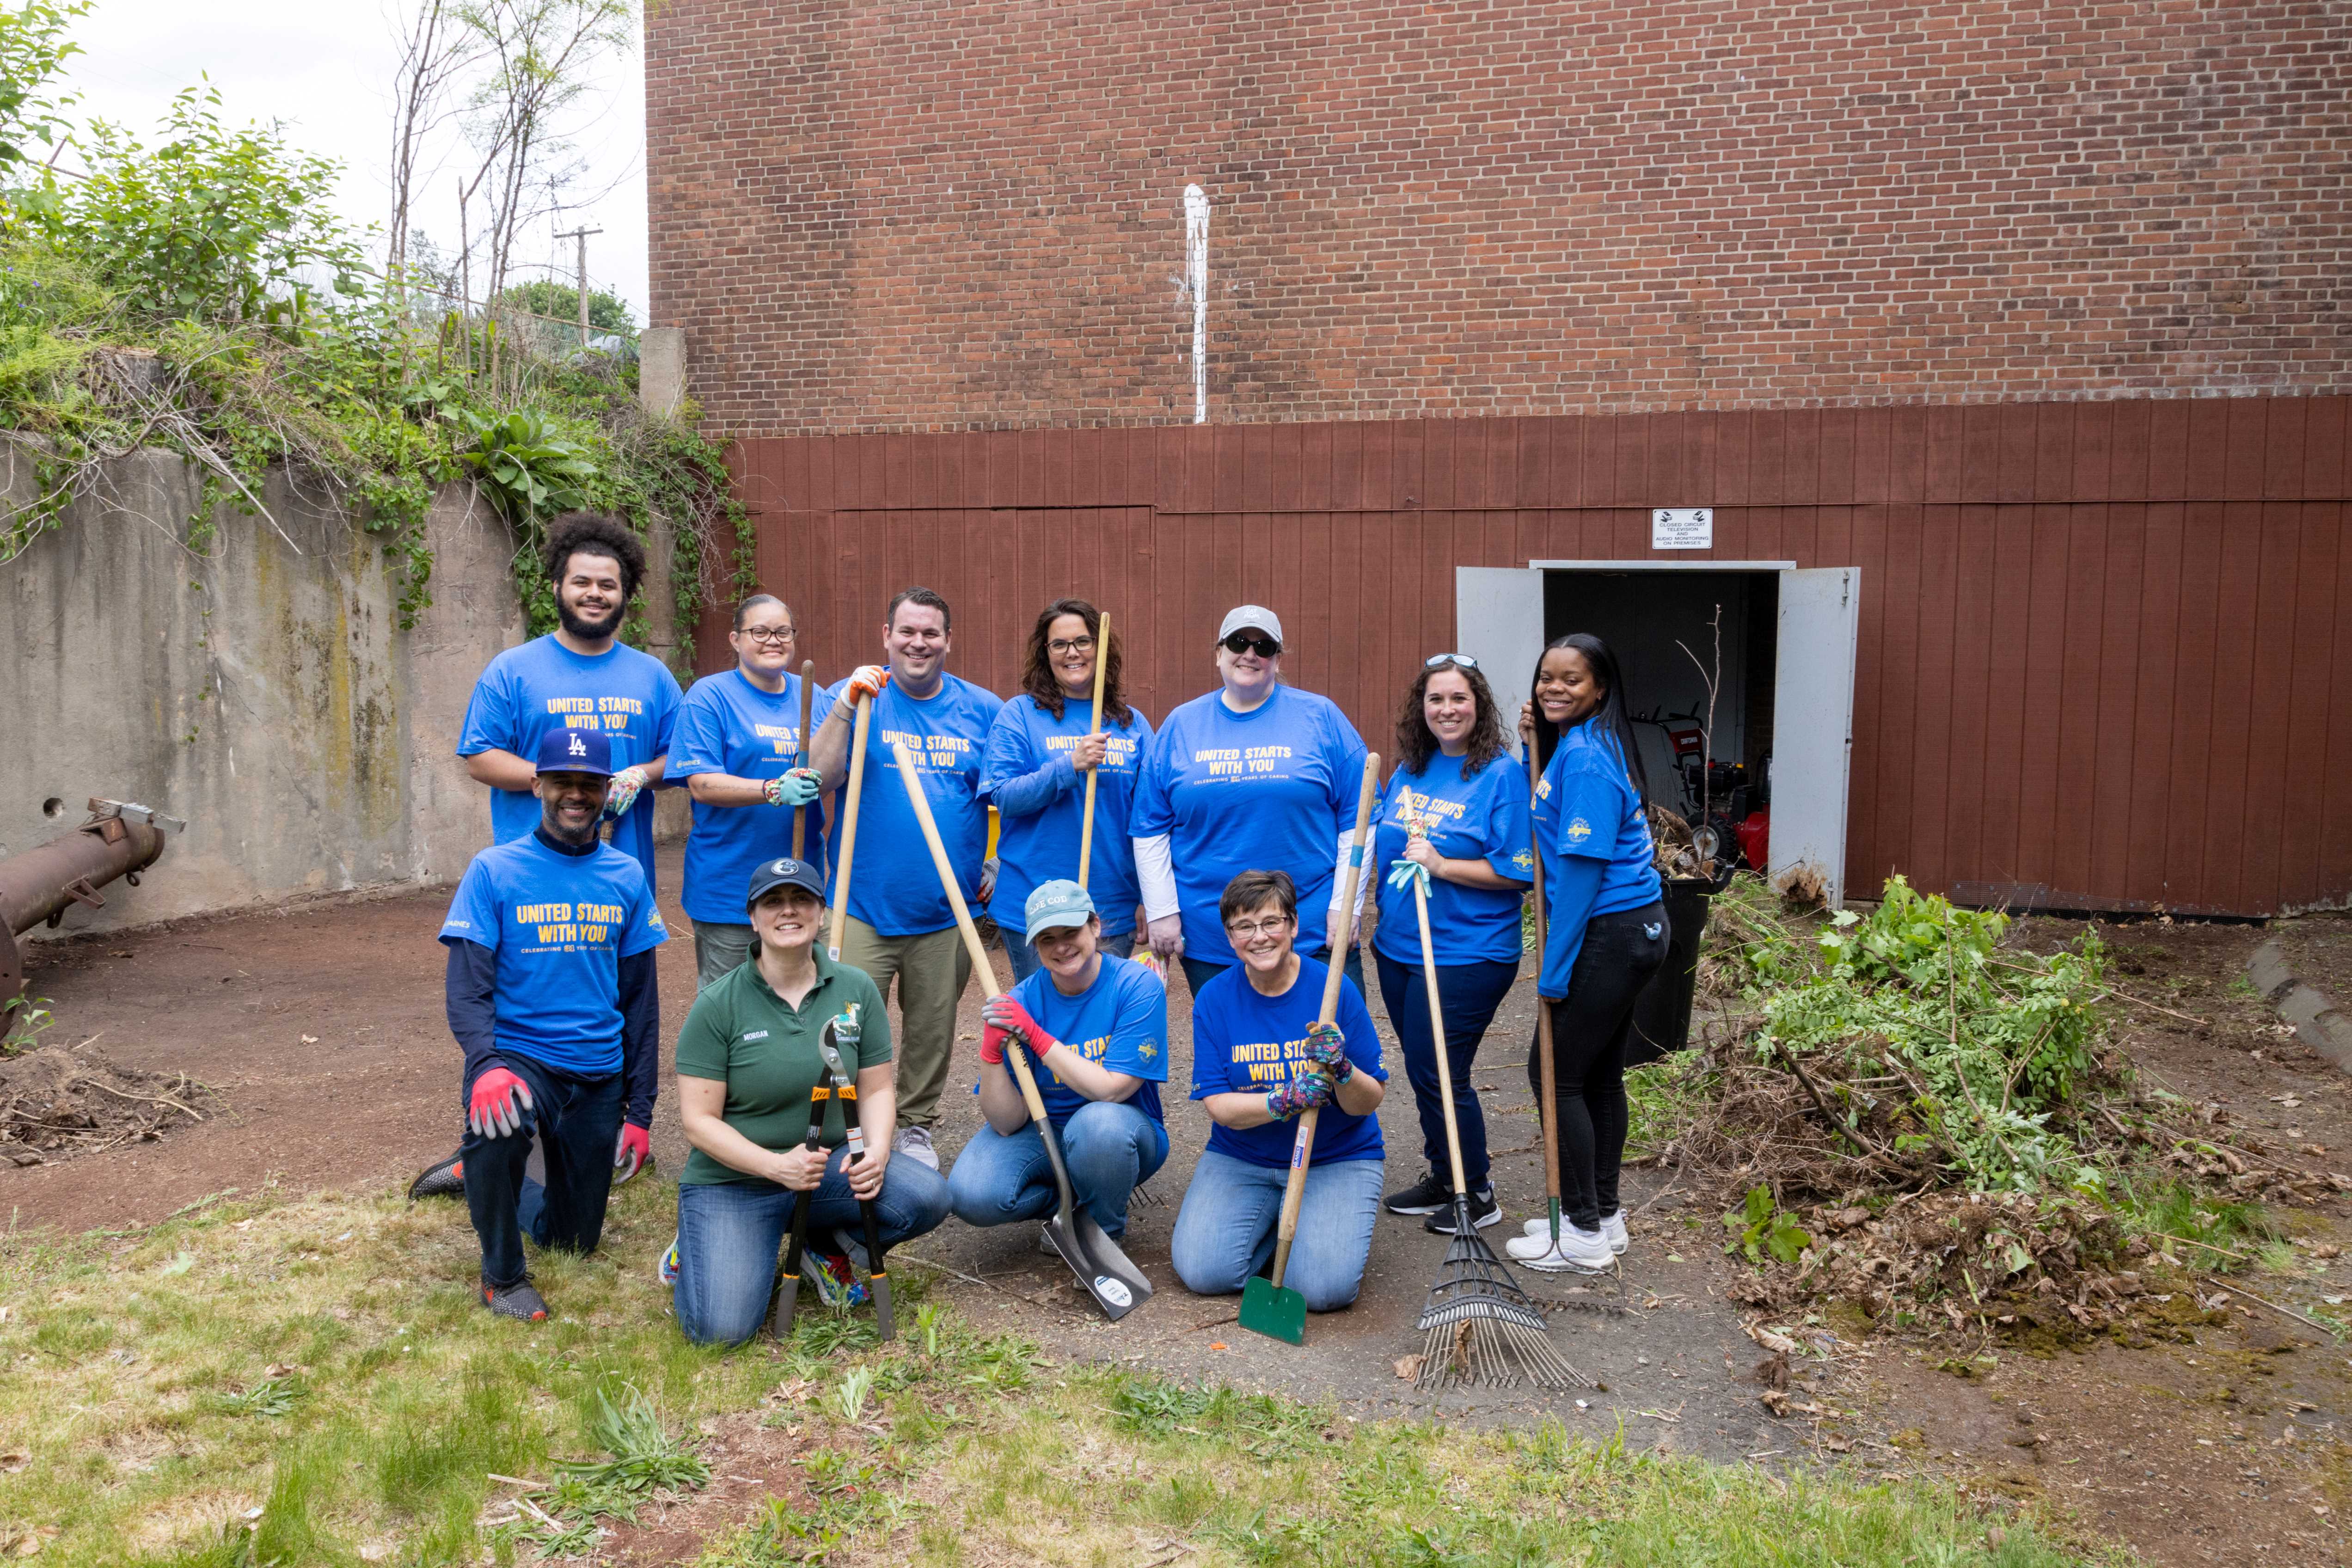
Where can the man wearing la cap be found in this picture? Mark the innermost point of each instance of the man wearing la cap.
(1097, 1028)
(552, 994)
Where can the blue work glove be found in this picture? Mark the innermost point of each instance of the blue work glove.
(1403, 874)
(797, 786)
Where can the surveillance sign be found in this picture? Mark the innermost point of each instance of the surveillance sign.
(1682, 527)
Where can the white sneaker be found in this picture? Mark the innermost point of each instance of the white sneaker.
(915, 1143)
(1611, 1226)
(1580, 1252)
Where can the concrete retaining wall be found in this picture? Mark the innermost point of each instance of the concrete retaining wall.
(263, 691)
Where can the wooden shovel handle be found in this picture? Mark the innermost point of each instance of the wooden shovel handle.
(981, 967)
(1087, 827)
(1437, 1034)
(849, 823)
(1302, 1145)
(1549, 1111)
(800, 813)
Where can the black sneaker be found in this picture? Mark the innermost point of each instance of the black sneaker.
(519, 1300)
(1483, 1212)
(1431, 1195)
(443, 1179)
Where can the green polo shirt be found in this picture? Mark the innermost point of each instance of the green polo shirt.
(743, 1034)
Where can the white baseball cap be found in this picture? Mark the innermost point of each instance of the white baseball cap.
(1251, 617)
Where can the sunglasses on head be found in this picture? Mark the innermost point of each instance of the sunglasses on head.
(1242, 642)
(1464, 660)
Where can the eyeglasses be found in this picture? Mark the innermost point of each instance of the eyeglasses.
(769, 634)
(1464, 660)
(1242, 642)
(1070, 644)
(1246, 929)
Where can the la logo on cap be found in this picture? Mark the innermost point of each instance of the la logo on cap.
(577, 749)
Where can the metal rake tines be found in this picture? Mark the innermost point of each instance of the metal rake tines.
(1479, 1326)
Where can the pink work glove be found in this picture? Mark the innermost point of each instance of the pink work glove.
(499, 1106)
(1012, 1018)
(635, 1149)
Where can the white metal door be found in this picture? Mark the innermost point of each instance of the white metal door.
(1812, 723)
(1498, 620)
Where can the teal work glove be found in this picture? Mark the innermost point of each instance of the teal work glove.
(1403, 874)
(797, 786)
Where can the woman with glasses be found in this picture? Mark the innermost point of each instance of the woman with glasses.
(1606, 935)
(1254, 776)
(1259, 1060)
(1040, 750)
(1455, 818)
(740, 751)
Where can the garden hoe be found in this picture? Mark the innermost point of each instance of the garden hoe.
(1477, 1324)
(1266, 1307)
(1117, 1285)
(849, 825)
(845, 1089)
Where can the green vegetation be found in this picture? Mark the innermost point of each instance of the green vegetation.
(607, 312)
(200, 294)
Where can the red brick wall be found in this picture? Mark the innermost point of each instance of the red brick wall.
(895, 216)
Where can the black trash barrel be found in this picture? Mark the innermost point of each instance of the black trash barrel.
(1662, 1014)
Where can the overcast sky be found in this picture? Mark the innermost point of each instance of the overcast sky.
(325, 67)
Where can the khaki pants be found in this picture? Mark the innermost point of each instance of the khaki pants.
(932, 971)
(719, 951)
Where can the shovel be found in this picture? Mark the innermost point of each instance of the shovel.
(1086, 823)
(1117, 1285)
(1266, 1307)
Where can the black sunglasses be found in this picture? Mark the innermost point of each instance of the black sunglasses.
(1242, 642)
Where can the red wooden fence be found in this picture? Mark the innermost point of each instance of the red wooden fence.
(2106, 648)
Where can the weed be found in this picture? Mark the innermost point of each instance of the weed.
(1760, 1226)
(268, 1400)
(849, 1397)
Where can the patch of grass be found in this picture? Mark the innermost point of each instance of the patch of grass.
(2199, 1231)
(1663, 1098)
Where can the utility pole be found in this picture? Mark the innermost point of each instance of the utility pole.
(582, 236)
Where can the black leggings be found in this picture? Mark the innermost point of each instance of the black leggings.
(1589, 1028)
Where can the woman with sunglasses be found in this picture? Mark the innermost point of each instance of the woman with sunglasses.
(1453, 817)
(741, 754)
(1040, 750)
(1254, 776)
(1607, 934)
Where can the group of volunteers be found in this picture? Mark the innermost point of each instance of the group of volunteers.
(1219, 846)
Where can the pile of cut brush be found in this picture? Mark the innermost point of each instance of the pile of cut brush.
(1900, 1112)
(56, 1103)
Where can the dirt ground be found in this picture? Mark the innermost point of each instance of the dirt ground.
(319, 1031)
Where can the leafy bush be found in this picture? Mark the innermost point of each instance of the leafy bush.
(607, 312)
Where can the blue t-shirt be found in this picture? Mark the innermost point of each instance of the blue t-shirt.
(1040, 844)
(1586, 806)
(559, 926)
(727, 725)
(1119, 1024)
(1269, 789)
(1482, 817)
(1246, 1043)
(894, 887)
(542, 686)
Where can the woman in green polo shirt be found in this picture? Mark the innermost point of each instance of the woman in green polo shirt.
(747, 1064)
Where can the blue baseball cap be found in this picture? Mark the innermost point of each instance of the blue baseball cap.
(575, 751)
(783, 872)
(1057, 906)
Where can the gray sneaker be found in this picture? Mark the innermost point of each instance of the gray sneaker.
(915, 1143)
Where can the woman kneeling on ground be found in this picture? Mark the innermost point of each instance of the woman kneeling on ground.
(749, 1065)
(1259, 1059)
(1097, 1028)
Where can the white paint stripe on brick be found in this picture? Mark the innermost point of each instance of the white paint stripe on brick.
(1196, 283)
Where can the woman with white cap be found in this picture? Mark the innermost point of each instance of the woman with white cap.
(1256, 776)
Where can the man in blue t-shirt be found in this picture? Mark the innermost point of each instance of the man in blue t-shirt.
(551, 996)
(577, 677)
(1096, 1027)
(899, 925)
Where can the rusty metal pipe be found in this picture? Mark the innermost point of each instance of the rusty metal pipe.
(119, 840)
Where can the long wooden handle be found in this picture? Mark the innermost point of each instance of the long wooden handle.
(1302, 1145)
(979, 965)
(849, 823)
(1437, 1034)
(1549, 1111)
(1087, 829)
(800, 759)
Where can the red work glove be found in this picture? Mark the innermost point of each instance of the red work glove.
(1012, 1018)
(991, 1043)
(868, 681)
(500, 1105)
(630, 1155)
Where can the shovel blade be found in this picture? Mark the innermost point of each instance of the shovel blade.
(1103, 1271)
(1273, 1311)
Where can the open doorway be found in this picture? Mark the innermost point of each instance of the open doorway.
(1782, 725)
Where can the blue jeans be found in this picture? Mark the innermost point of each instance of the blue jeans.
(1026, 962)
(578, 1120)
(1468, 995)
(1199, 972)
(1111, 1148)
(1225, 1232)
(729, 1235)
